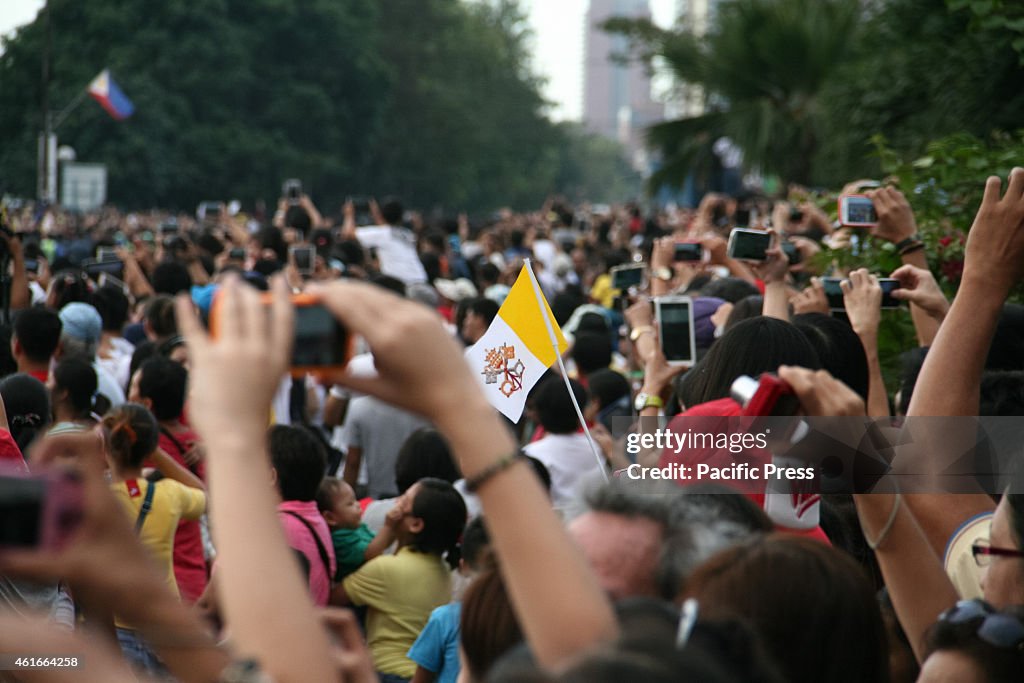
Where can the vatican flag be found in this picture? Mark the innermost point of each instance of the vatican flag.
(522, 342)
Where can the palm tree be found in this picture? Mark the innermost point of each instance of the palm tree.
(761, 68)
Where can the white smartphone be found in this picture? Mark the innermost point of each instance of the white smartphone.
(674, 315)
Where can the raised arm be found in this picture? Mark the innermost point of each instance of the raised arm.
(559, 603)
(229, 404)
(862, 296)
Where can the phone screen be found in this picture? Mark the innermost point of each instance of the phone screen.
(675, 321)
(21, 511)
(303, 259)
(96, 268)
(627, 276)
(106, 254)
(860, 210)
(749, 245)
(689, 251)
(320, 340)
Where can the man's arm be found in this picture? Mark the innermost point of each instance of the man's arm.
(353, 459)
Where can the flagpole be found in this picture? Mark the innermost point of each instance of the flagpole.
(541, 302)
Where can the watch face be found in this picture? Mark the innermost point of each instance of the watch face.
(641, 401)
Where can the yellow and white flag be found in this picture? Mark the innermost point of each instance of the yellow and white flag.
(517, 348)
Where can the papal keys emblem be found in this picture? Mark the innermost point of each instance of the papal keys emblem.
(501, 363)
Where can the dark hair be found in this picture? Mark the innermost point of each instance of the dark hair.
(112, 305)
(171, 277)
(271, 238)
(677, 548)
(299, 459)
(565, 303)
(731, 289)
(839, 349)
(475, 540)
(160, 316)
(330, 489)
(1006, 351)
(443, 513)
(38, 331)
(425, 453)
(1002, 394)
(132, 434)
(592, 351)
(998, 663)
(483, 307)
(163, 382)
(806, 600)
(747, 307)
(488, 273)
(911, 363)
(68, 286)
(488, 625)
(541, 470)
(1015, 501)
(554, 406)
(391, 284)
(28, 407)
(392, 211)
(607, 386)
(77, 377)
(752, 347)
(298, 218)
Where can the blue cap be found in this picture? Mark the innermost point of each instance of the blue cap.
(82, 322)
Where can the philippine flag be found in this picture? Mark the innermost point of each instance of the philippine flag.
(105, 91)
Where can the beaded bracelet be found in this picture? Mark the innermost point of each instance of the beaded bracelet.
(495, 468)
(911, 248)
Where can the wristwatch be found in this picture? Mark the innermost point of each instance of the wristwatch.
(637, 331)
(663, 273)
(647, 401)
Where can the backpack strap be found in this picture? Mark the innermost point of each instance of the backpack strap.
(147, 505)
(324, 557)
(181, 449)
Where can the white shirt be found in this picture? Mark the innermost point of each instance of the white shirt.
(569, 460)
(396, 250)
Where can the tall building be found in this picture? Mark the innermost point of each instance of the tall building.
(617, 100)
(698, 16)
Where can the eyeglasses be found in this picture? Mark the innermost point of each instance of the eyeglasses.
(998, 629)
(983, 553)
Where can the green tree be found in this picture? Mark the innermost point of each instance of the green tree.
(762, 67)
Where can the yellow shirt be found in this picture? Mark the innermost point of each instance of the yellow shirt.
(172, 502)
(602, 291)
(401, 591)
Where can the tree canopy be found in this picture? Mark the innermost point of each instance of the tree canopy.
(431, 100)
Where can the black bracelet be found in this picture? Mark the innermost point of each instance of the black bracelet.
(911, 248)
(903, 244)
(497, 467)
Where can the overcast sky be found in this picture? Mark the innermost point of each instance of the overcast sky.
(557, 51)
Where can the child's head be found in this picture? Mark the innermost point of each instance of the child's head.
(476, 543)
(435, 515)
(299, 462)
(338, 504)
(131, 433)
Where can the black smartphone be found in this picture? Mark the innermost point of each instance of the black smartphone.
(889, 284)
(834, 293)
(94, 268)
(237, 254)
(791, 252)
(321, 341)
(303, 257)
(674, 315)
(689, 251)
(292, 190)
(749, 245)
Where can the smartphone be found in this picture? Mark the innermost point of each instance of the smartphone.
(857, 211)
(628, 277)
(106, 254)
(94, 268)
(304, 258)
(889, 284)
(166, 228)
(291, 190)
(361, 205)
(674, 315)
(39, 510)
(31, 265)
(108, 279)
(791, 252)
(209, 211)
(237, 254)
(749, 245)
(689, 251)
(834, 293)
(320, 343)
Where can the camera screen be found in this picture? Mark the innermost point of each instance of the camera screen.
(303, 259)
(860, 210)
(834, 293)
(624, 278)
(21, 508)
(675, 321)
(749, 245)
(320, 340)
(689, 251)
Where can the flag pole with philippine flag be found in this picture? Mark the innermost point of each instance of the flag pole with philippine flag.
(522, 342)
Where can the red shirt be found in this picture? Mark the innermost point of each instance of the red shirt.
(189, 558)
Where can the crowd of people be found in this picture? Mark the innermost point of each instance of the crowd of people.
(210, 514)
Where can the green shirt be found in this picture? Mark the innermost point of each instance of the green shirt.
(349, 548)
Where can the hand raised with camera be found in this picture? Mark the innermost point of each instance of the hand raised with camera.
(811, 300)
(821, 394)
(775, 267)
(895, 217)
(918, 286)
(663, 253)
(862, 296)
(994, 254)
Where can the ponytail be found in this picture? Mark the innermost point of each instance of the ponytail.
(132, 434)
